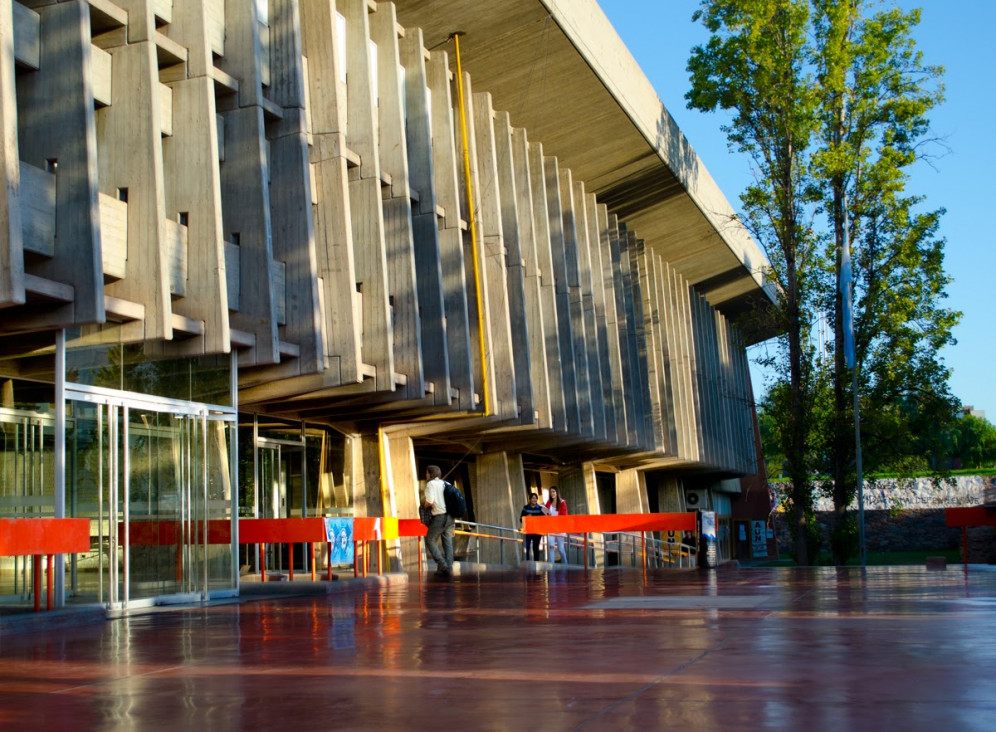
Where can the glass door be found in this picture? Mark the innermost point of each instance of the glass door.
(272, 498)
(161, 502)
(154, 478)
(272, 483)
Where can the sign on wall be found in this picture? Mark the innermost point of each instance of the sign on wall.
(758, 539)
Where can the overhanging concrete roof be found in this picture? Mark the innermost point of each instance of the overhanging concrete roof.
(562, 72)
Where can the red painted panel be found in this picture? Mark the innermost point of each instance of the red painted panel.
(588, 524)
(164, 533)
(412, 527)
(44, 536)
(281, 531)
(969, 516)
(258, 531)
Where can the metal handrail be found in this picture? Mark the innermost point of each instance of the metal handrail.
(660, 553)
(480, 531)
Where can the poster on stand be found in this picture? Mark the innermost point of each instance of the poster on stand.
(339, 534)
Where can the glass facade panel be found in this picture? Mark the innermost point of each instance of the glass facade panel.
(291, 469)
(220, 567)
(137, 367)
(247, 467)
(164, 461)
(87, 480)
(148, 461)
(28, 357)
(270, 428)
(27, 484)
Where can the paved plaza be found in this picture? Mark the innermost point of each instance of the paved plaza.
(902, 648)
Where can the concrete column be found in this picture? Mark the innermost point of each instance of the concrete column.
(501, 371)
(631, 492)
(593, 365)
(575, 302)
(397, 203)
(622, 373)
(509, 183)
(11, 248)
(452, 230)
(494, 502)
(366, 207)
(405, 496)
(532, 281)
(417, 129)
(56, 128)
(567, 363)
(330, 160)
(579, 488)
(362, 470)
(542, 219)
(596, 234)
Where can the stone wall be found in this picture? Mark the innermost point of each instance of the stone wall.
(908, 517)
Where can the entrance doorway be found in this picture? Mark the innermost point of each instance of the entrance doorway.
(153, 476)
(281, 494)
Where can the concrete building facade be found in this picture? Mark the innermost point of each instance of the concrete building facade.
(270, 258)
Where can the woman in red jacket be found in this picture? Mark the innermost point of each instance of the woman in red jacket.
(556, 506)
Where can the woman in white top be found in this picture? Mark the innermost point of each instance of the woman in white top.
(556, 506)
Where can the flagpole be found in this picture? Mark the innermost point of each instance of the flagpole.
(857, 465)
(846, 285)
(847, 294)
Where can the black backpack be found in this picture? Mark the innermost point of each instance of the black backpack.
(456, 504)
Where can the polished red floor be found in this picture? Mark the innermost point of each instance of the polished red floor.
(893, 649)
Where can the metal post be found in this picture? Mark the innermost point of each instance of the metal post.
(125, 491)
(206, 514)
(472, 226)
(857, 466)
(48, 574)
(60, 459)
(37, 581)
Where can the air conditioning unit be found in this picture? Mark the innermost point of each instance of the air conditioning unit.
(696, 498)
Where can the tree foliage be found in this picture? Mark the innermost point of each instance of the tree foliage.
(830, 99)
(754, 65)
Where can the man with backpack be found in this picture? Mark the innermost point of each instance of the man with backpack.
(442, 524)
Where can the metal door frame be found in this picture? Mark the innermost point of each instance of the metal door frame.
(118, 407)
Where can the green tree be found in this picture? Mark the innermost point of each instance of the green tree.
(874, 109)
(974, 442)
(831, 103)
(754, 65)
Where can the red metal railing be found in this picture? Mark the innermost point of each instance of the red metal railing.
(308, 531)
(609, 523)
(38, 537)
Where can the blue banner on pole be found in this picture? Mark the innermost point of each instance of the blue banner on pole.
(339, 533)
(847, 296)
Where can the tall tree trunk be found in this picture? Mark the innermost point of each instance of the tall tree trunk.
(798, 417)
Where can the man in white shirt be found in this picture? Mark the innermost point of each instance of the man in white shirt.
(442, 523)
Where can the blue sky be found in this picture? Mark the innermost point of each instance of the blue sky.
(958, 36)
